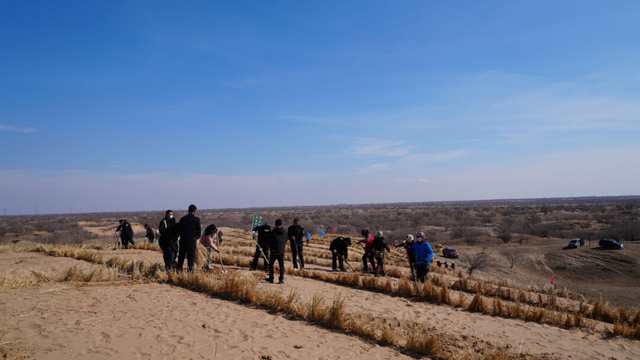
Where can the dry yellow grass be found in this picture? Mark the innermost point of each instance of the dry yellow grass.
(388, 336)
(12, 280)
(421, 343)
(497, 306)
(73, 274)
(426, 292)
(478, 304)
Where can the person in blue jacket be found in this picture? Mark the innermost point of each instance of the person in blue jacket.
(424, 255)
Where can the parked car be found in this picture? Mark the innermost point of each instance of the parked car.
(610, 244)
(450, 253)
(574, 244)
(579, 240)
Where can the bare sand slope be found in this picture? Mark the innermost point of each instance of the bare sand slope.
(18, 262)
(152, 321)
(535, 338)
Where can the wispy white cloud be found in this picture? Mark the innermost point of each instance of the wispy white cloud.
(373, 168)
(378, 147)
(18, 129)
(417, 159)
(21, 191)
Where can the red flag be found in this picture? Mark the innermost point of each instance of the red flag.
(553, 278)
(334, 229)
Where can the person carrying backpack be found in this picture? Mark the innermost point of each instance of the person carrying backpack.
(379, 245)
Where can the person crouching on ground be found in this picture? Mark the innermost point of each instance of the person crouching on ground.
(126, 233)
(150, 236)
(368, 251)
(207, 241)
(277, 244)
(424, 255)
(379, 245)
(340, 250)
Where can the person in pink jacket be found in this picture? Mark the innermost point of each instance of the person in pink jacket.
(207, 241)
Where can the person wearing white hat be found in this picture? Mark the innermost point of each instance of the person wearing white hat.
(407, 244)
(424, 255)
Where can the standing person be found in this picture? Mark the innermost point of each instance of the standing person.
(190, 230)
(296, 234)
(424, 255)
(368, 251)
(207, 241)
(126, 233)
(168, 240)
(379, 245)
(150, 236)
(340, 250)
(263, 246)
(407, 244)
(277, 244)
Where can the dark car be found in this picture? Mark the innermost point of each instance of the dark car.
(573, 244)
(610, 244)
(450, 253)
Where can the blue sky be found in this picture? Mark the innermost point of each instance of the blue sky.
(148, 105)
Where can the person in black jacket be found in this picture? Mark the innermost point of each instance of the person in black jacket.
(190, 231)
(340, 249)
(295, 234)
(277, 244)
(150, 236)
(379, 246)
(168, 240)
(407, 244)
(262, 249)
(126, 233)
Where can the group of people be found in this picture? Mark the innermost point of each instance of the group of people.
(126, 233)
(374, 252)
(178, 240)
(446, 265)
(420, 254)
(272, 246)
